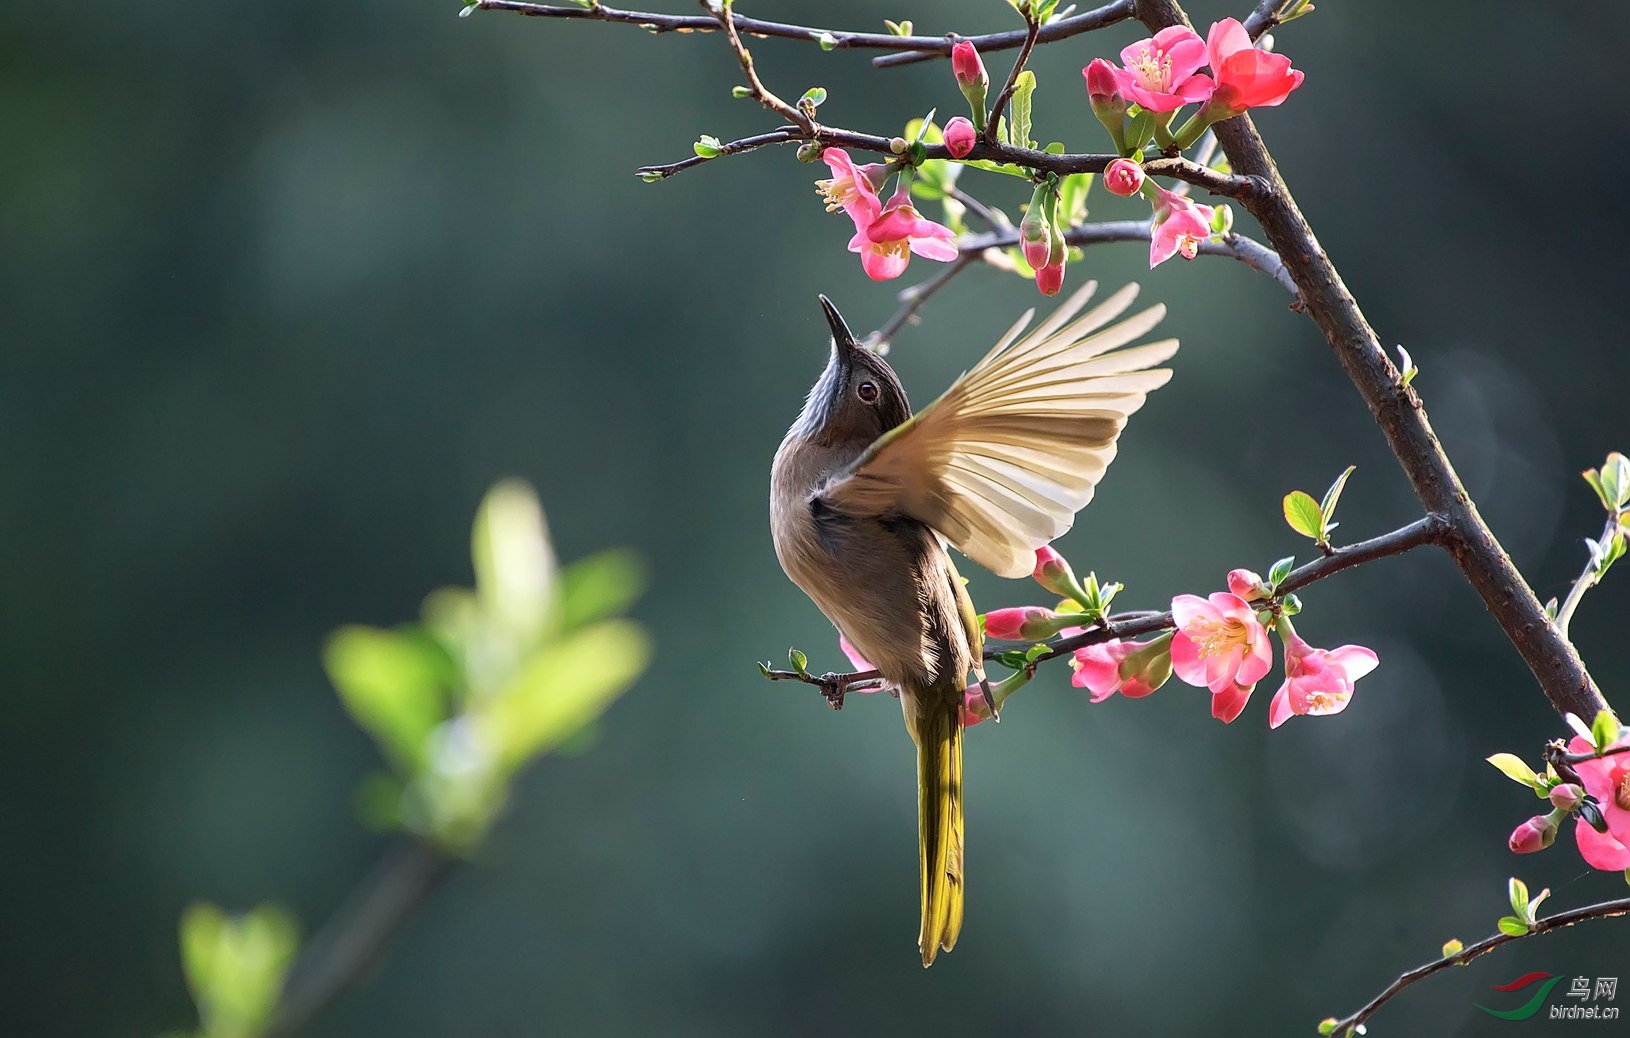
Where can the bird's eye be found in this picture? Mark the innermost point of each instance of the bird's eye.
(867, 392)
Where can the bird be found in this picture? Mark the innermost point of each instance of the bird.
(866, 497)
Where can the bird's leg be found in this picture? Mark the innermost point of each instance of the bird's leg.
(990, 698)
(835, 686)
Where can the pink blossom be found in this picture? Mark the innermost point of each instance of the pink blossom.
(1246, 77)
(1025, 623)
(1318, 681)
(851, 188)
(1160, 73)
(1566, 797)
(886, 245)
(1222, 646)
(1179, 225)
(1134, 669)
(1246, 584)
(1123, 177)
(959, 137)
(1053, 572)
(967, 66)
(1536, 834)
(1608, 780)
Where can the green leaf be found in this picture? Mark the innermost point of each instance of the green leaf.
(1518, 891)
(1535, 902)
(378, 801)
(1023, 88)
(1280, 571)
(514, 561)
(1594, 478)
(561, 688)
(1510, 924)
(1138, 130)
(394, 684)
(814, 97)
(741, 93)
(1615, 479)
(1072, 193)
(1328, 1025)
(799, 661)
(1513, 768)
(1604, 730)
(1406, 365)
(235, 966)
(1452, 947)
(1303, 515)
(1327, 507)
(707, 147)
(599, 586)
(827, 41)
(764, 668)
(900, 28)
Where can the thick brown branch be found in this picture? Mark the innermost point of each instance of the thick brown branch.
(1605, 910)
(1398, 411)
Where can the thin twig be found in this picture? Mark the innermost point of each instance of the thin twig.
(1031, 28)
(1236, 246)
(995, 219)
(403, 880)
(1426, 530)
(1182, 169)
(911, 48)
(1605, 910)
(783, 136)
(1397, 409)
(1589, 577)
(1057, 29)
(913, 298)
(726, 14)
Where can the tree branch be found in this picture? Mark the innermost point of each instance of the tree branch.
(913, 298)
(1031, 29)
(1427, 530)
(911, 48)
(1605, 910)
(402, 881)
(1398, 411)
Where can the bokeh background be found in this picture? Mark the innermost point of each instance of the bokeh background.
(287, 286)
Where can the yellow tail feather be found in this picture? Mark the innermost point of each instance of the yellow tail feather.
(938, 734)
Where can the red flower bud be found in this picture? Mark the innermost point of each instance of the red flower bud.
(960, 136)
(1123, 177)
(1050, 278)
(1536, 834)
(967, 67)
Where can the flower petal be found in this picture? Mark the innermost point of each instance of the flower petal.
(1228, 704)
(1186, 662)
(1280, 711)
(1601, 850)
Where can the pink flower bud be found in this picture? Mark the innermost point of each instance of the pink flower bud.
(1567, 796)
(1123, 177)
(1102, 87)
(1050, 278)
(1246, 584)
(1024, 623)
(1053, 572)
(1536, 834)
(966, 66)
(959, 137)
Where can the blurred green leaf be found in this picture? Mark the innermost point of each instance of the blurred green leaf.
(599, 586)
(1518, 892)
(814, 97)
(514, 561)
(378, 801)
(563, 687)
(235, 966)
(1604, 730)
(394, 684)
(1072, 193)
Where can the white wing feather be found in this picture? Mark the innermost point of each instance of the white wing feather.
(1000, 464)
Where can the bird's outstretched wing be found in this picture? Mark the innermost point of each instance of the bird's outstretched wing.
(1000, 464)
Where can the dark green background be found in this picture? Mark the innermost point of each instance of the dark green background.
(287, 285)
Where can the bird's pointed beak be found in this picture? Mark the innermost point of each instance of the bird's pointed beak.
(843, 340)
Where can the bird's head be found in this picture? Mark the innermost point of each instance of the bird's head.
(857, 398)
